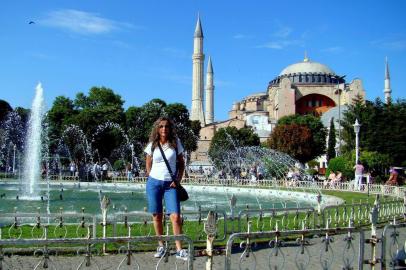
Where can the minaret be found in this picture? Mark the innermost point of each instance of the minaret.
(197, 79)
(387, 91)
(209, 93)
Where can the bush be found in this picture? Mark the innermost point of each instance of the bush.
(119, 165)
(376, 163)
(341, 164)
(311, 172)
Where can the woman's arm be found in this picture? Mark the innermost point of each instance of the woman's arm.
(148, 165)
(181, 167)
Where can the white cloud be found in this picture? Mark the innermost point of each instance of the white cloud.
(283, 32)
(241, 36)
(334, 49)
(180, 79)
(81, 22)
(391, 45)
(176, 53)
(280, 44)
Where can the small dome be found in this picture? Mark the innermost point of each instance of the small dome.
(307, 66)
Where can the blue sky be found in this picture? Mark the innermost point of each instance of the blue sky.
(142, 49)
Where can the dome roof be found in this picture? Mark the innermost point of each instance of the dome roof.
(308, 72)
(307, 66)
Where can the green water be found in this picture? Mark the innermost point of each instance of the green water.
(126, 196)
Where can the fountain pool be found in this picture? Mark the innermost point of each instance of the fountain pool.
(73, 196)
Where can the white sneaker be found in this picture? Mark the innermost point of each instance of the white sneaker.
(160, 252)
(182, 254)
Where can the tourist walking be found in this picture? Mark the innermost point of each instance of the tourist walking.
(359, 170)
(164, 144)
(72, 168)
(105, 168)
(129, 169)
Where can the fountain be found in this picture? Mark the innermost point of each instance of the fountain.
(32, 161)
(87, 191)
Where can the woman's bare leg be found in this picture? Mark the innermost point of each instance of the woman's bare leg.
(158, 226)
(177, 228)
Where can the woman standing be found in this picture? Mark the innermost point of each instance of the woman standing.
(160, 184)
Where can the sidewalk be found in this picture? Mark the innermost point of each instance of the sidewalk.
(261, 258)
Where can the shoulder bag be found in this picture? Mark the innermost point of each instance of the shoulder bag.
(180, 190)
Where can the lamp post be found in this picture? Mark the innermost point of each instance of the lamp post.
(356, 130)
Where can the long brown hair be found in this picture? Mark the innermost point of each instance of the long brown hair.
(154, 136)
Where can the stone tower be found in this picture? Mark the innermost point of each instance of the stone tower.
(197, 79)
(209, 93)
(387, 91)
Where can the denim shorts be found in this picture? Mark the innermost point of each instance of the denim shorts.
(158, 190)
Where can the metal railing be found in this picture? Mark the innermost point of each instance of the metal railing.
(45, 255)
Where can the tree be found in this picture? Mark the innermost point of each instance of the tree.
(5, 108)
(88, 113)
(23, 113)
(342, 164)
(383, 128)
(187, 133)
(12, 134)
(141, 119)
(102, 105)
(59, 116)
(306, 143)
(229, 139)
(375, 163)
(318, 131)
(331, 152)
(294, 140)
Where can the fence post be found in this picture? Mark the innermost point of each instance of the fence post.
(374, 239)
(404, 205)
(319, 213)
(210, 229)
(104, 206)
(1, 250)
(233, 202)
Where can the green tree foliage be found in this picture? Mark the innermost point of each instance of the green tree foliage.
(23, 113)
(342, 164)
(186, 132)
(141, 119)
(331, 152)
(101, 105)
(88, 112)
(5, 108)
(383, 128)
(294, 140)
(305, 144)
(59, 116)
(229, 139)
(375, 163)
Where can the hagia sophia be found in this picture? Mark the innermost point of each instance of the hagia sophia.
(300, 88)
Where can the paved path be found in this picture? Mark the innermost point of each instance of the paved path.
(259, 260)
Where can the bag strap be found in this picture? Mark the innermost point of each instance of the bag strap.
(167, 163)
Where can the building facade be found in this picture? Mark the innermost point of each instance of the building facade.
(305, 87)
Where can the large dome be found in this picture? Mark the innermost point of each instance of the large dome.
(308, 72)
(307, 66)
